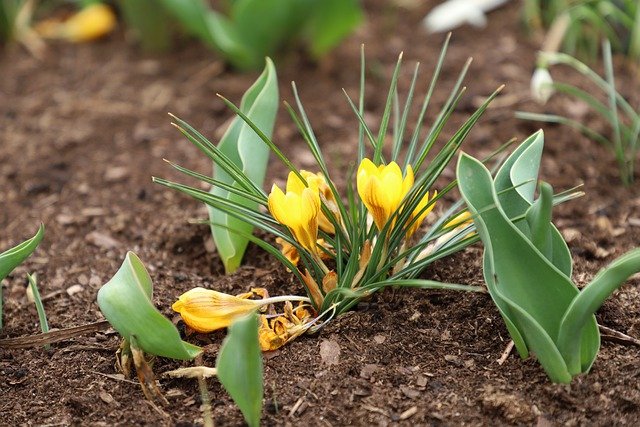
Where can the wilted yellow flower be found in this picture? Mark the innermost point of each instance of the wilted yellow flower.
(274, 333)
(291, 253)
(288, 250)
(298, 209)
(421, 216)
(206, 310)
(92, 22)
(382, 189)
(316, 180)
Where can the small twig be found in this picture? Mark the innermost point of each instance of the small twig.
(207, 411)
(297, 405)
(618, 337)
(116, 377)
(53, 336)
(506, 353)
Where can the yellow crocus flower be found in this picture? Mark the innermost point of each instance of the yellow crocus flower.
(382, 188)
(90, 23)
(298, 209)
(316, 180)
(206, 310)
(421, 216)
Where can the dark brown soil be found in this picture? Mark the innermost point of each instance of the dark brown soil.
(83, 131)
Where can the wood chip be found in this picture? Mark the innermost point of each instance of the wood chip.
(408, 413)
(75, 289)
(379, 339)
(106, 397)
(102, 240)
(116, 173)
(330, 352)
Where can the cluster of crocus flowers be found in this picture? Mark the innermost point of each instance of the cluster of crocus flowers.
(383, 190)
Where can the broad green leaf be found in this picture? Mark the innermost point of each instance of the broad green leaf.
(329, 22)
(516, 272)
(587, 303)
(515, 184)
(538, 218)
(149, 22)
(212, 28)
(239, 367)
(13, 257)
(126, 302)
(541, 343)
(245, 148)
(265, 26)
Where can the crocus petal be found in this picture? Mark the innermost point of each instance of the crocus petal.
(382, 188)
(206, 310)
(420, 213)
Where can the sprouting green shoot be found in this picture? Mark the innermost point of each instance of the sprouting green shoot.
(624, 120)
(42, 316)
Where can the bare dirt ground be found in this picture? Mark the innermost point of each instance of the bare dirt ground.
(81, 134)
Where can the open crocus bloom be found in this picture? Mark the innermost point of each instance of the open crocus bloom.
(317, 180)
(206, 310)
(298, 209)
(382, 188)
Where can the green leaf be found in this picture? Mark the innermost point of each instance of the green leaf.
(42, 315)
(517, 274)
(239, 367)
(13, 257)
(150, 23)
(515, 183)
(265, 26)
(126, 302)
(582, 308)
(213, 29)
(247, 151)
(329, 22)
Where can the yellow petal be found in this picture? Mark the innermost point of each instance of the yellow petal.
(277, 204)
(330, 281)
(294, 184)
(382, 188)
(461, 220)
(313, 289)
(289, 251)
(267, 338)
(418, 211)
(206, 310)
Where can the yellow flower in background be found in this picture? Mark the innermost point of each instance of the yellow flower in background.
(317, 181)
(421, 216)
(382, 189)
(90, 23)
(459, 221)
(298, 209)
(206, 310)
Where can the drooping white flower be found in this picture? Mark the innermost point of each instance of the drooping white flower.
(454, 13)
(541, 85)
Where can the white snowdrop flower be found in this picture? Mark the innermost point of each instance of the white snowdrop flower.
(541, 85)
(454, 13)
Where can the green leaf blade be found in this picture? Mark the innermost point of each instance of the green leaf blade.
(239, 368)
(245, 148)
(125, 301)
